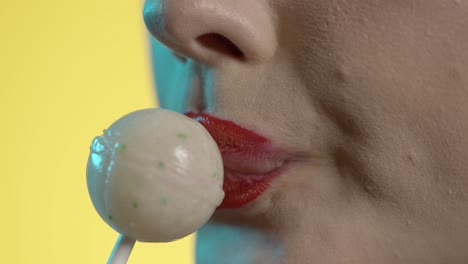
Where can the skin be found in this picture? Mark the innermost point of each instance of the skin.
(371, 97)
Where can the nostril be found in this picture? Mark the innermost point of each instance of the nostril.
(220, 44)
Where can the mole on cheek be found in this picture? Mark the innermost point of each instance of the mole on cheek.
(342, 73)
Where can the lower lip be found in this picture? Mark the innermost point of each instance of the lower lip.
(239, 145)
(242, 188)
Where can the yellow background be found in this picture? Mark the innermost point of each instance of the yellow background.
(68, 69)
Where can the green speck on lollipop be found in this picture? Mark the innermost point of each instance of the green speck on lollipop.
(182, 135)
(164, 200)
(110, 217)
(161, 164)
(135, 205)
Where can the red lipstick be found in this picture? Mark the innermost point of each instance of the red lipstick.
(250, 160)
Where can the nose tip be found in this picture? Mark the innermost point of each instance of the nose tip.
(211, 31)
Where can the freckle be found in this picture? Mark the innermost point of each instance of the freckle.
(369, 187)
(450, 193)
(397, 254)
(441, 108)
(342, 73)
(446, 142)
(411, 158)
(429, 33)
(454, 74)
(122, 147)
(409, 223)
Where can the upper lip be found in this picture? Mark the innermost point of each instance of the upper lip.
(242, 150)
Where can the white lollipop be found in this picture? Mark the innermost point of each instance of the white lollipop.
(155, 176)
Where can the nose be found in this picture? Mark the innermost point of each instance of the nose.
(211, 31)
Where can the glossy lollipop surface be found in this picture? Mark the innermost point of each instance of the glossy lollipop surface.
(155, 175)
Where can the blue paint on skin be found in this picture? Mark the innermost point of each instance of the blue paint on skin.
(171, 77)
(174, 77)
(219, 243)
(209, 85)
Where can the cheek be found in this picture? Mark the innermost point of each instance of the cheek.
(383, 75)
(375, 64)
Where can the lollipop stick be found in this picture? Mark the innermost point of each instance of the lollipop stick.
(122, 249)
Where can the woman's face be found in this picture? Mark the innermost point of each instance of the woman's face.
(370, 95)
